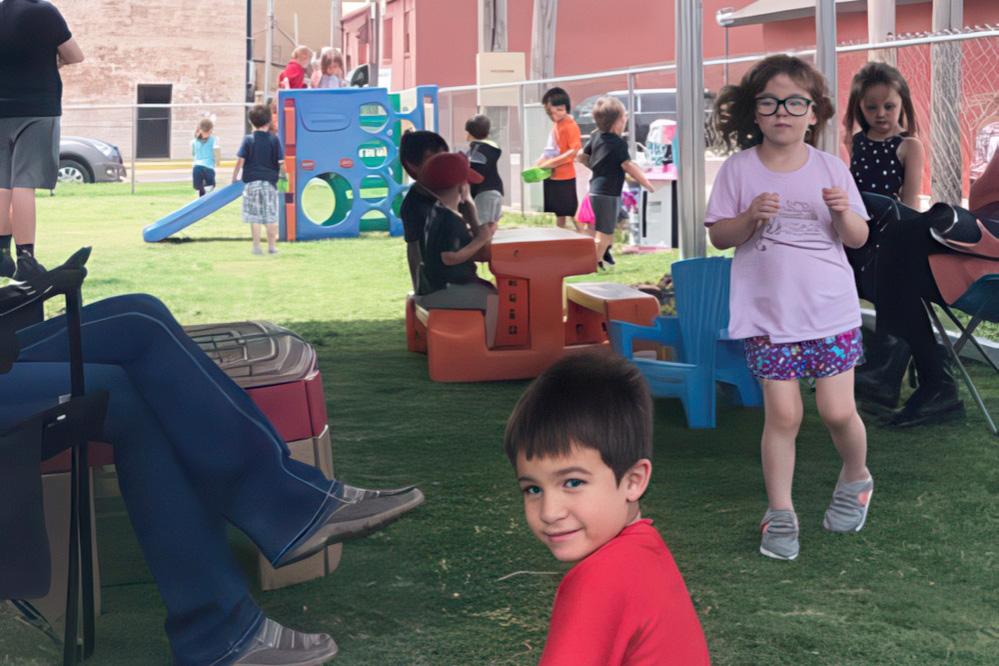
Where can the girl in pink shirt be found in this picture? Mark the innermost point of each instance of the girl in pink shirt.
(788, 209)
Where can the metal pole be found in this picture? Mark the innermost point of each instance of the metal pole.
(135, 140)
(523, 147)
(269, 48)
(336, 25)
(690, 126)
(825, 58)
(631, 114)
(945, 106)
(375, 45)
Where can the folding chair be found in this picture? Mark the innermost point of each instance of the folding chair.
(25, 573)
(981, 301)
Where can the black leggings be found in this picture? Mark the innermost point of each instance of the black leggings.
(904, 278)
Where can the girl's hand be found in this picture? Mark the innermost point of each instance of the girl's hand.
(836, 198)
(764, 207)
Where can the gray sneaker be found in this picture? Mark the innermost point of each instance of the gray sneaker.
(275, 645)
(780, 534)
(354, 513)
(850, 502)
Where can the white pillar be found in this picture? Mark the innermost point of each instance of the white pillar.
(881, 24)
(543, 39)
(945, 106)
(690, 126)
(336, 24)
(825, 59)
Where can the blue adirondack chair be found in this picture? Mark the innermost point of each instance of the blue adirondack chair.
(698, 335)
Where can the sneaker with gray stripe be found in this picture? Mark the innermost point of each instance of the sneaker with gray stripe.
(850, 502)
(780, 534)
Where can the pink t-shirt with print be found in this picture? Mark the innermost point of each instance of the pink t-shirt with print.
(791, 280)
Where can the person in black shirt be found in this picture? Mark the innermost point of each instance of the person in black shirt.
(454, 241)
(34, 43)
(414, 149)
(260, 156)
(607, 157)
(483, 155)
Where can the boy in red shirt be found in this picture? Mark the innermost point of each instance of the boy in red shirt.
(564, 143)
(293, 75)
(580, 440)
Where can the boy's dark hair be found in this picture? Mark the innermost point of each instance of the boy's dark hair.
(260, 116)
(478, 126)
(414, 145)
(606, 112)
(592, 399)
(556, 97)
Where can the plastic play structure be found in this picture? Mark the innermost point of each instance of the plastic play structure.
(534, 326)
(191, 213)
(692, 351)
(341, 154)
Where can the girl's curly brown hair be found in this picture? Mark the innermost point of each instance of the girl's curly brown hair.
(735, 106)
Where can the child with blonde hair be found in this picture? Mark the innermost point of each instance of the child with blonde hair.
(788, 209)
(207, 153)
(293, 75)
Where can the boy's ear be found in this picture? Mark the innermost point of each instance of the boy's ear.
(636, 479)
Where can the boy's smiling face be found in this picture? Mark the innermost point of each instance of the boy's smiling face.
(556, 113)
(573, 503)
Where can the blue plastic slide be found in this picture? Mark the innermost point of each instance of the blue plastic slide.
(192, 212)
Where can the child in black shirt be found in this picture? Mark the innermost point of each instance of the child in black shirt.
(483, 155)
(414, 148)
(607, 157)
(260, 157)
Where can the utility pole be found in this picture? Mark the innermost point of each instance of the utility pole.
(492, 38)
(825, 47)
(945, 106)
(269, 50)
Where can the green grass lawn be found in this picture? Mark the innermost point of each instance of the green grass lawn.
(917, 586)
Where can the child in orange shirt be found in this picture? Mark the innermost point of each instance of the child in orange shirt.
(559, 154)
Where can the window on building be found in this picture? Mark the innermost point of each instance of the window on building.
(407, 24)
(387, 40)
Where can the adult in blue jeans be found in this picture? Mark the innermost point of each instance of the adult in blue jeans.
(194, 453)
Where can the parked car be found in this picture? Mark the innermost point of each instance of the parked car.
(83, 160)
(650, 104)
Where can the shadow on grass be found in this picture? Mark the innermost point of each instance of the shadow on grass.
(918, 584)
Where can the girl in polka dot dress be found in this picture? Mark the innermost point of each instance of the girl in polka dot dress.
(885, 156)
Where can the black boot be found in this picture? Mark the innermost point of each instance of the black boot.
(882, 384)
(938, 402)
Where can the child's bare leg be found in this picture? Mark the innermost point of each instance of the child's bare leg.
(5, 212)
(560, 221)
(603, 241)
(272, 233)
(255, 230)
(834, 398)
(23, 215)
(782, 406)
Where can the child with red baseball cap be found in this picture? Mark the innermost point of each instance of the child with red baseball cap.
(454, 240)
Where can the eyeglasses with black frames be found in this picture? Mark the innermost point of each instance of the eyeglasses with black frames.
(794, 105)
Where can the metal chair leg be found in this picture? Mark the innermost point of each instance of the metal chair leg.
(964, 373)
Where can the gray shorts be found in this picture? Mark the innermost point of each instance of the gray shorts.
(29, 152)
(605, 210)
(471, 296)
(260, 203)
(489, 206)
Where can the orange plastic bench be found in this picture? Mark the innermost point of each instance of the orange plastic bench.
(591, 305)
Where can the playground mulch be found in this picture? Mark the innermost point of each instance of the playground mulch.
(916, 586)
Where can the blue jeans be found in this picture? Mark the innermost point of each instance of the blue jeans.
(193, 452)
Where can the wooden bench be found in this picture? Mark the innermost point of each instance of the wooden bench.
(590, 305)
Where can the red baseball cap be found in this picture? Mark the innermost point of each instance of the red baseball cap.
(445, 170)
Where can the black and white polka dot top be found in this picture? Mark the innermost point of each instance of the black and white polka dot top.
(875, 165)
